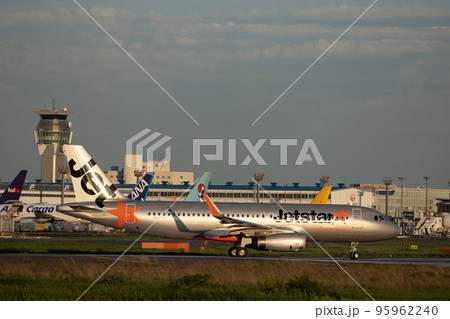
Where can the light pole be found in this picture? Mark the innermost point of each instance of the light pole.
(63, 170)
(426, 192)
(401, 178)
(138, 173)
(258, 178)
(387, 181)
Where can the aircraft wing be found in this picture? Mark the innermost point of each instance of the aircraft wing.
(45, 216)
(238, 226)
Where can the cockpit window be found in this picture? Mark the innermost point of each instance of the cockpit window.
(375, 217)
(379, 217)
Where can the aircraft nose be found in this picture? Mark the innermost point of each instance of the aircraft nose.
(395, 230)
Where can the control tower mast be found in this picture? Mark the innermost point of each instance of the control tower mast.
(52, 132)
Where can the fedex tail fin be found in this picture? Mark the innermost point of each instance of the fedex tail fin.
(90, 183)
(198, 191)
(140, 191)
(14, 190)
(322, 197)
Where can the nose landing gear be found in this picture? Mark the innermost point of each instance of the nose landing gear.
(353, 254)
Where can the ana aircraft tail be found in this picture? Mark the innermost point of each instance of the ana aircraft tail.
(90, 183)
(197, 192)
(14, 190)
(140, 191)
(322, 197)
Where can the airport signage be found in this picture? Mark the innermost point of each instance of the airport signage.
(408, 215)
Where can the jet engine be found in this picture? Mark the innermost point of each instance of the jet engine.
(280, 242)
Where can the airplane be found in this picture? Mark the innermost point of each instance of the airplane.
(261, 226)
(14, 190)
(322, 197)
(47, 212)
(199, 189)
(140, 191)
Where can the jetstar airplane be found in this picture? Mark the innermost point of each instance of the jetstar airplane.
(260, 226)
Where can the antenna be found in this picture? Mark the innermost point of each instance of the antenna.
(324, 179)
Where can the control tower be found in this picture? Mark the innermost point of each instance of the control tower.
(52, 132)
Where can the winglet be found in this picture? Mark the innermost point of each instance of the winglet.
(212, 207)
(322, 197)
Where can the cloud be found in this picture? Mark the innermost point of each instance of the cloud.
(103, 12)
(350, 48)
(185, 41)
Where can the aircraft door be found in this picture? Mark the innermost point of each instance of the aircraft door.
(130, 218)
(357, 218)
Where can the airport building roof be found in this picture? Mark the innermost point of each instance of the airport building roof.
(38, 186)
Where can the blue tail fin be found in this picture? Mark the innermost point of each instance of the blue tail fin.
(140, 191)
(12, 193)
(197, 192)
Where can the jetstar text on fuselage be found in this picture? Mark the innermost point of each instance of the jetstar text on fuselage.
(304, 217)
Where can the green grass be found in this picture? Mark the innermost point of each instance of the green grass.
(191, 287)
(197, 287)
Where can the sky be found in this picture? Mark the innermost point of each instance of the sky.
(376, 104)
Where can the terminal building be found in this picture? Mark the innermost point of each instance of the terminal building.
(414, 199)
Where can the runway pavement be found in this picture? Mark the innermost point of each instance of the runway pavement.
(185, 259)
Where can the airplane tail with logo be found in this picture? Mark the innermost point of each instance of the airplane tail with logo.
(322, 197)
(200, 188)
(14, 190)
(140, 191)
(89, 181)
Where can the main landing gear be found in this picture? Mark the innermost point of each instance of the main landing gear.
(353, 254)
(237, 252)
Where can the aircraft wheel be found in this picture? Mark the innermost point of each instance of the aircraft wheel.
(351, 255)
(355, 255)
(241, 252)
(232, 251)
